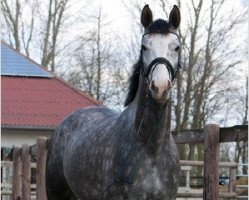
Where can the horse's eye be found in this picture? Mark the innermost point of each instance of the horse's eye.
(144, 47)
(177, 48)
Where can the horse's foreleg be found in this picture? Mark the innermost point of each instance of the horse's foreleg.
(56, 184)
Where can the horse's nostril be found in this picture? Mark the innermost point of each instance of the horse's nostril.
(153, 87)
(152, 84)
(169, 84)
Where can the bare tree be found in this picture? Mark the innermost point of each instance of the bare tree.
(54, 20)
(12, 15)
(25, 23)
(241, 152)
(98, 63)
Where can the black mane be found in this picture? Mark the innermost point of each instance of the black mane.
(158, 26)
(133, 82)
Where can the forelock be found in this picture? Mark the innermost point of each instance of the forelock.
(159, 26)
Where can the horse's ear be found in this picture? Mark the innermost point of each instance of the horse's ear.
(175, 17)
(146, 16)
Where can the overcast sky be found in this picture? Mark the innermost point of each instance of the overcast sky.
(120, 18)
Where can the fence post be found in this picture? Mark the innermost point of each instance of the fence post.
(211, 162)
(26, 173)
(40, 168)
(17, 174)
(232, 180)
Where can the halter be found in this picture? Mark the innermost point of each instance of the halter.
(161, 60)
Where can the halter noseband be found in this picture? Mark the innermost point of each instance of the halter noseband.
(160, 60)
(164, 61)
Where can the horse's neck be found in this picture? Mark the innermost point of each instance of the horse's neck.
(152, 119)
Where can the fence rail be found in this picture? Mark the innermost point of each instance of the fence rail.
(227, 134)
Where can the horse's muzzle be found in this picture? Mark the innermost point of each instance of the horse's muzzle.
(160, 82)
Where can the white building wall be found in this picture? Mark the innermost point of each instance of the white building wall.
(18, 137)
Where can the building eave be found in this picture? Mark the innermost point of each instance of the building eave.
(29, 127)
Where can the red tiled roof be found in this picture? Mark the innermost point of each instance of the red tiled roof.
(42, 102)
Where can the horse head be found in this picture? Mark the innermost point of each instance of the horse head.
(159, 52)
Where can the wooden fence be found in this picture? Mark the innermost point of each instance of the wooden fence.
(231, 193)
(22, 165)
(211, 136)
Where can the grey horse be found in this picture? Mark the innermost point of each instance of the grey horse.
(97, 153)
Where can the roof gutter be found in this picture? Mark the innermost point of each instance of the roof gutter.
(29, 127)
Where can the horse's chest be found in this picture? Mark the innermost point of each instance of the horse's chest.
(155, 182)
(150, 180)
